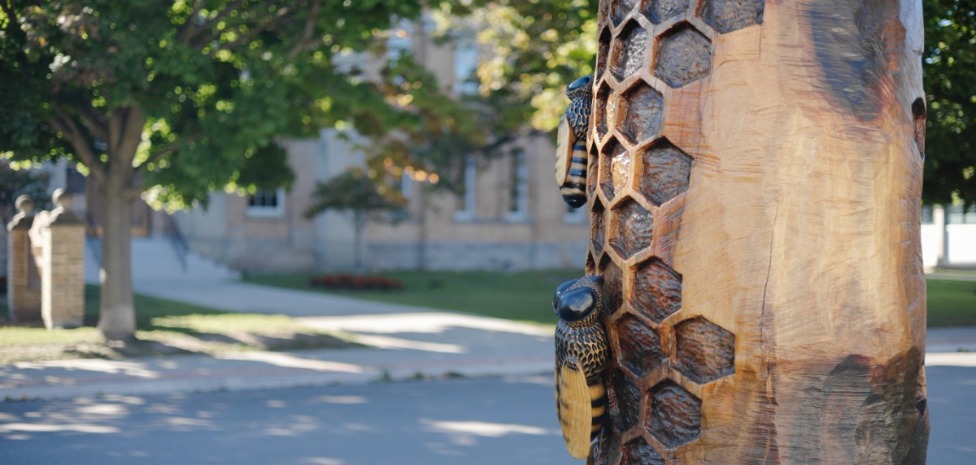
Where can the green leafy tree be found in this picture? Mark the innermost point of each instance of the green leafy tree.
(360, 198)
(949, 69)
(538, 47)
(188, 95)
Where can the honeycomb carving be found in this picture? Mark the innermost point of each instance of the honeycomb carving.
(590, 264)
(730, 15)
(601, 109)
(659, 11)
(631, 228)
(592, 172)
(615, 169)
(601, 56)
(597, 236)
(627, 56)
(619, 10)
(612, 285)
(657, 290)
(624, 395)
(640, 346)
(675, 414)
(641, 113)
(638, 452)
(684, 56)
(666, 172)
(704, 351)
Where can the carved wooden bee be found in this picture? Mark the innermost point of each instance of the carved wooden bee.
(571, 142)
(581, 357)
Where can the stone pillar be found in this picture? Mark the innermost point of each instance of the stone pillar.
(23, 279)
(63, 266)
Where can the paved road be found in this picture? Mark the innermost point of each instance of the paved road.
(461, 421)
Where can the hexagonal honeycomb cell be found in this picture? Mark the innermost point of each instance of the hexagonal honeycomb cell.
(659, 11)
(704, 351)
(590, 266)
(640, 346)
(657, 290)
(620, 9)
(627, 55)
(600, 109)
(597, 235)
(684, 55)
(612, 285)
(639, 452)
(666, 172)
(675, 414)
(632, 225)
(602, 53)
(592, 173)
(615, 168)
(624, 396)
(730, 15)
(641, 113)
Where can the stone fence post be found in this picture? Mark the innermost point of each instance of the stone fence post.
(23, 279)
(59, 248)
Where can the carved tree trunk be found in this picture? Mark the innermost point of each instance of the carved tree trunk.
(754, 183)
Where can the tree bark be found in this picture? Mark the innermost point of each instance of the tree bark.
(754, 185)
(116, 319)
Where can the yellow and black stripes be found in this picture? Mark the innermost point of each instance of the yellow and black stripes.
(571, 156)
(581, 358)
(573, 188)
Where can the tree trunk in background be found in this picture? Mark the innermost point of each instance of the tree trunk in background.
(117, 312)
(754, 184)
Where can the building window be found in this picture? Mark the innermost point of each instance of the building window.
(518, 188)
(400, 43)
(266, 203)
(927, 217)
(465, 65)
(467, 210)
(956, 214)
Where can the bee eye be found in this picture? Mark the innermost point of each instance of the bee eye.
(575, 305)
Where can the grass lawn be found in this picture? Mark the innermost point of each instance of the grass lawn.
(521, 296)
(527, 295)
(164, 327)
(951, 303)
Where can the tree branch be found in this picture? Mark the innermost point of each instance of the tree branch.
(166, 150)
(307, 31)
(69, 130)
(190, 28)
(125, 131)
(279, 15)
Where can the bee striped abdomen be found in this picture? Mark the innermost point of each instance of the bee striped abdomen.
(571, 157)
(573, 188)
(598, 407)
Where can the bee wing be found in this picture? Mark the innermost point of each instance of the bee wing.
(574, 408)
(565, 139)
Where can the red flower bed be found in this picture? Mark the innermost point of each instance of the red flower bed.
(347, 282)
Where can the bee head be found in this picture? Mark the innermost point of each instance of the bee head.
(576, 299)
(580, 87)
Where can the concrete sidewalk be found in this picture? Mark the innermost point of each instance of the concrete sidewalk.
(407, 342)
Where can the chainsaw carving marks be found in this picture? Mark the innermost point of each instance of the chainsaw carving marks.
(653, 57)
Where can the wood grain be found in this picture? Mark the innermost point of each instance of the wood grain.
(759, 169)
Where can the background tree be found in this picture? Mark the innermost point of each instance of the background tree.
(360, 198)
(539, 47)
(949, 67)
(188, 94)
